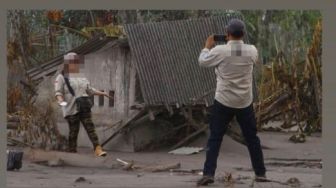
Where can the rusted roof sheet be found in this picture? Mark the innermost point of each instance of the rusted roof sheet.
(52, 65)
(166, 55)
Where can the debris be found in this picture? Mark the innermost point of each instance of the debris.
(127, 166)
(17, 142)
(36, 126)
(298, 138)
(162, 168)
(55, 162)
(205, 94)
(292, 92)
(302, 164)
(294, 128)
(123, 162)
(228, 177)
(191, 136)
(113, 125)
(13, 118)
(229, 180)
(295, 159)
(140, 175)
(155, 168)
(186, 150)
(122, 126)
(294, 182)
(240, 177)
(185, 171)
(82, 180)
(68, 159)
(272, 129)
(287, 162)
(243, 169)
(13, 125)
(268, 180)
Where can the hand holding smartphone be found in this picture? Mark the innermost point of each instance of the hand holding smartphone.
(220, 38)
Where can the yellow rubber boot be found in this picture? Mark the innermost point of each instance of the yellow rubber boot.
(99, 152)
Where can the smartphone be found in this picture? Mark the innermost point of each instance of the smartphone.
(220, 38)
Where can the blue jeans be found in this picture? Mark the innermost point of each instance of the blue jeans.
(220, 118)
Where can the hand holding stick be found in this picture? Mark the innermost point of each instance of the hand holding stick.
(108, 96)
(103, 94)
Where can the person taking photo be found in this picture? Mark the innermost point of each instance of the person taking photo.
(233, 64)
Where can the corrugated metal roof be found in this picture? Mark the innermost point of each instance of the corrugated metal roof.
(52, 65)
(166, 55)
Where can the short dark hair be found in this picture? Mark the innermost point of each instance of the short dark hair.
(237, 34)
(236, 28)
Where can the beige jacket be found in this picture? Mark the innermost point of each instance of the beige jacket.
(81, 87)
(233, 64)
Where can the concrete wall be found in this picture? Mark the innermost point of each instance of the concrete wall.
(111, 68)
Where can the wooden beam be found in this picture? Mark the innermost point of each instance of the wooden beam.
(117, 131)
(206, 102)
(71, 159)
(184, 112)
(170, 110)
(13, 125)
(196, 99)
(17, 142)
(156, 168)
(138, 106)
(191, 136)
(151, 115)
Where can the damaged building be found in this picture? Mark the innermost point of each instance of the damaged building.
(159, 92)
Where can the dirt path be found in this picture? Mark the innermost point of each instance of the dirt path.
(284, 161)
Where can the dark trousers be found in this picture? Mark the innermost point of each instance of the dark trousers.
(74, 123)
(220, 118)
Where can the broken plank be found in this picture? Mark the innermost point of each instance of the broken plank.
(151, 115)
(113, 125)
(162, 168)
(294, 159)
(138, 106)
(17, 142)
(191, 136)
(13, 125)
(198, 98)
(186, 171)
(119, 129)
(155, 168)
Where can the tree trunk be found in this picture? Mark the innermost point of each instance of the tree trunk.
(71, 159)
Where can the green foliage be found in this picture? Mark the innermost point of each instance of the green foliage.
(272, 31)
(275, 31)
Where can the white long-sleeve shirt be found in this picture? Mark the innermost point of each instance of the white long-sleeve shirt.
(81, 87)
(233, 64)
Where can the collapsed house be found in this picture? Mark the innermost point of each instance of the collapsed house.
(159, 91)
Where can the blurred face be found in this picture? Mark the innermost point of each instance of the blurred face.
(73, 67)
